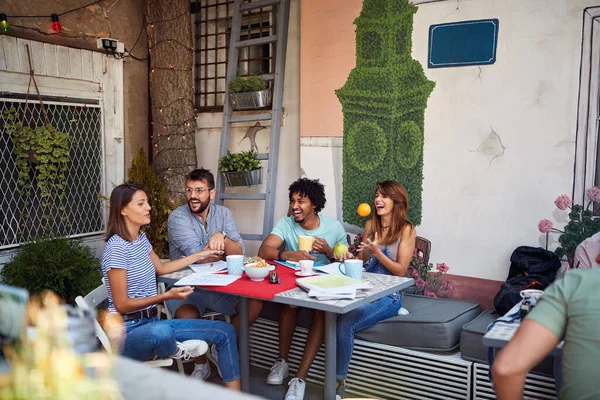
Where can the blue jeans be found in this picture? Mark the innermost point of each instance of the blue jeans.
(149, 337)
(357, 320)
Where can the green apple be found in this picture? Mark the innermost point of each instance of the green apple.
(340, 248)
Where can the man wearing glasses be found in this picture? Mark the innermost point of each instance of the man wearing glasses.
(193, 227)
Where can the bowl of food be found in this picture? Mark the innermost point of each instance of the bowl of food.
(258, 269)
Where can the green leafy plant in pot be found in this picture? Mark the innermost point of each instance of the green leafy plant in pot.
(65, 266)
(241, 169)
(142, 174)
(45, 150)
(249, 92)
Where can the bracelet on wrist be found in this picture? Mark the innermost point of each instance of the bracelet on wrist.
(279, 255)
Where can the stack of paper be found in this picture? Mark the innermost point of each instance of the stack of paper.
(209, 268)
(335, 286)
(207, 280)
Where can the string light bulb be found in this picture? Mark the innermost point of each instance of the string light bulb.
(56, 25)
(4, 26)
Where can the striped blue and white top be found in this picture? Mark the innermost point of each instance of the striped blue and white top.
(135, 258)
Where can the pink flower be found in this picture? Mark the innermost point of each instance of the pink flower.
(414, 273)
(449, 285)
(415, 252)
(594, 194)
(430, 294)
(545, 226)
(352, 248)
(563, 201)
(419, 282)
(442, 267)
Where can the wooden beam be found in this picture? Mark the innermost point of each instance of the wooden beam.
(32, 34)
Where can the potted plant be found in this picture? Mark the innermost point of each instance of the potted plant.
(582, 224)
(142, 173)
(241, 169)
(249, 92)
(65, 266)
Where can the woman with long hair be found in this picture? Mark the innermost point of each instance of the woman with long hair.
(130, 267)
(387, 249)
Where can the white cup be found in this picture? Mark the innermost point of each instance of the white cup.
(306, 266)
(535, 293)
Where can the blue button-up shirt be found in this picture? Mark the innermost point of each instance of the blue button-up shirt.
(187, 234)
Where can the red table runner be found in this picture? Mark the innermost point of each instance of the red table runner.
(261, 290)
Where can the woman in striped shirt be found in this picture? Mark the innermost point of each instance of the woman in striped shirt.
(130, 267)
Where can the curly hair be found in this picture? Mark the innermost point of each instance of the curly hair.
(312, 189)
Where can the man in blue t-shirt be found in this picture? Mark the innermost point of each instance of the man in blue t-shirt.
(307, 198)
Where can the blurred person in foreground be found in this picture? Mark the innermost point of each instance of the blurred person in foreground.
(568, 310)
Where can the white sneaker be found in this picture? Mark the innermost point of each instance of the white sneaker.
(279, 371)
(296, 390)
(190, 349)
(201, 371)
(213, 357)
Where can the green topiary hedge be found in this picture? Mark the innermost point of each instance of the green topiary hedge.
(383, 102)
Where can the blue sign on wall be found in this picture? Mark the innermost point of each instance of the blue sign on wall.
(463, 43)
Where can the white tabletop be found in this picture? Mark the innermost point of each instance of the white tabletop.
(382, 286)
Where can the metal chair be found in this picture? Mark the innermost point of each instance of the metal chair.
(423, 248)
(90, 302)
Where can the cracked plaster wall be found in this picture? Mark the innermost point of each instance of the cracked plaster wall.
(499, 139)
(118, 19)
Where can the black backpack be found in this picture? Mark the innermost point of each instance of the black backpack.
(530, 268)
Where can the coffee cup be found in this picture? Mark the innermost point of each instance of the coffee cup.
(528, 293)
(234, 264)
(352, 268)
(306, 266)
(305, 243)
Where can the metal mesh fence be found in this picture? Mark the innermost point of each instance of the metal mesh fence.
(84, 212)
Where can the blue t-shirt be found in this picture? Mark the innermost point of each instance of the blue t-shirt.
(329, 229)
(135, 258)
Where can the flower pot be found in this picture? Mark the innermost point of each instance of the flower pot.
(245, 178)
(250, 100)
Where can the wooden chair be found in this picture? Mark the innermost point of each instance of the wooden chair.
(90, 302)
(423, 248)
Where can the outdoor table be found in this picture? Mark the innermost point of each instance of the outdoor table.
(503, 331)
(288, 293)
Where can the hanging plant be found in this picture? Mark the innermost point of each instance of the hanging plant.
(46, 150)
(45, 147)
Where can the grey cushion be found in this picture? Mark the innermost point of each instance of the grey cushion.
(432, 325)
(472, 348)
(471, 336)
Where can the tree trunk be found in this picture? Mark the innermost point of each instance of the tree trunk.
(171, 91)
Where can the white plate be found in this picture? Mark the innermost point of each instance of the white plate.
(299, 273)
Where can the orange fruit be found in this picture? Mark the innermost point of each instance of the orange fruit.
(364, 210)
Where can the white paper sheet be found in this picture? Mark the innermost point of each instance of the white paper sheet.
(329, 268)
(209, 268)
(207, 280)
(326, 295)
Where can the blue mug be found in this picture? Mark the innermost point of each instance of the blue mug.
(352, 268)
(235, 264)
